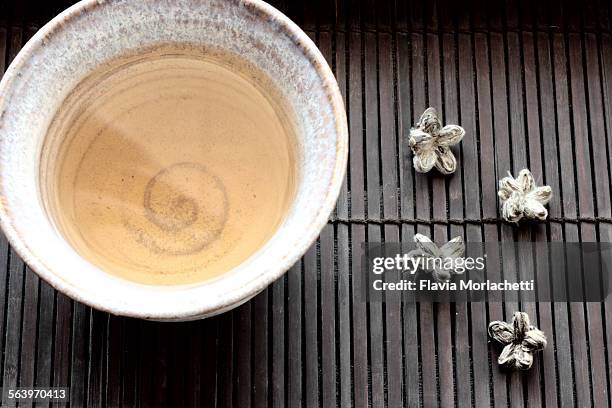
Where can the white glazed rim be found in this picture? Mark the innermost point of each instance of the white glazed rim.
(241, 291)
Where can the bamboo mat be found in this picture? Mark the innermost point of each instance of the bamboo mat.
(531, 82)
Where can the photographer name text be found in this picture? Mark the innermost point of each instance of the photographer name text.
(468, 285)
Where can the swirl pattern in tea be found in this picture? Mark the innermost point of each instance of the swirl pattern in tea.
(169, 169)
(183, 201)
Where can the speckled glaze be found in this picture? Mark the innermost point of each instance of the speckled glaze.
(94, 32)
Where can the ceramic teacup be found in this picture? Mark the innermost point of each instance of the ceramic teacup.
(94, 32)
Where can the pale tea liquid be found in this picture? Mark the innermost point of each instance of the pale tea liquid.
(169, 169)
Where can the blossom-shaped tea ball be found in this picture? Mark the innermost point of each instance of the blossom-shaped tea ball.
(430, 143)
(520, 197)
(521, 341)
(439, 261)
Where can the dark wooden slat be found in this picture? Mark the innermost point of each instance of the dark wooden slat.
(423, 210)
(404, 118)
(341, 10)
(96, 370)
(600, 190)
(343, 345)
(359, 315)
(3, 48)
(483, 386)
(532, 160)
(333, 47)
(278, 322)
(585, 205)
(550, 177)
(311, 328)
(541, 15)
(328, 323)
(376, 337)
(61, 351)
(555, 14)
(562, 322)
(495, 14)
(129, 361)
(572, 12)
(529, 15)
(603, 12)
(13, 322)
(597, 128)
(605, 232)
(388, 140)
(260, 349)
(243, 381)
(204, 383)
(580, 126)
(400, 17)
(159, 354)
(225, 357)
(441, 54)
(520, 266)
(355, 112)
(80, 357)
(372, 155)
(196, 348)
(326, 14)
(595, 338)
(502, 150)
(354, 20)
(295, 11)
(294, 336)
(309, 16)
(385, 11)
(4, 13)
(466, 183)
(390, 187)
(15, 42)
(112, 362)
(374, 198)
(152, 367)
(44, 345)
(448, 13)
(539, 266)
(430, 15)
(393, 335)
(590, 15)
(27, 371)
(412, 374)
(176, 365)
(369, 18)
(511, 17)
(416, 14)
(479, 15)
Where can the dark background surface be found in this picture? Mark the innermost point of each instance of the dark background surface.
(529, 81)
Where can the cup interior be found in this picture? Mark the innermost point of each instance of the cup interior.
(90, 34)
(171, 166)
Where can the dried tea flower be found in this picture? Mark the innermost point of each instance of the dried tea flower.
(520, 197)
(430, 143)
(521, 341)
(439, 261)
